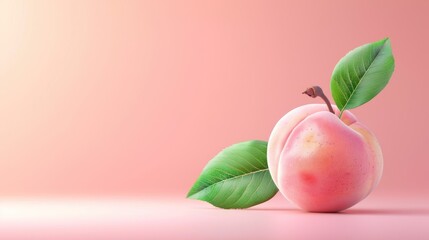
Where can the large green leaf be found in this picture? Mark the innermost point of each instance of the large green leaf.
(362, 74)
(237, 177)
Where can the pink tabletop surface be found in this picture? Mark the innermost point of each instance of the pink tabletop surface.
(178, 218)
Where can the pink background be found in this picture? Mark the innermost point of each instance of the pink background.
(113, 98)
(124, 103)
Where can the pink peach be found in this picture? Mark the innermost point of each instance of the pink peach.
(323, 163)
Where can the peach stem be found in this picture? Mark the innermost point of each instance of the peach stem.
(316, 91)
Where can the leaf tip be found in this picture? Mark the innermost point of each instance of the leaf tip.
(190, 193)
(385, 40)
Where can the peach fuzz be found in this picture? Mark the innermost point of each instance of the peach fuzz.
(322, 163)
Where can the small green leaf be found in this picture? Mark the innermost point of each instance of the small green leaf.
(362, 74)
(238, 177)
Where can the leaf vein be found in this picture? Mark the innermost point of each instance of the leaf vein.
(360, 79)
(230, 179)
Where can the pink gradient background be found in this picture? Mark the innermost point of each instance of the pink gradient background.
(107, 98)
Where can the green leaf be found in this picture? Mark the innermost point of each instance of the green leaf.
(362, 74)
(237, 177)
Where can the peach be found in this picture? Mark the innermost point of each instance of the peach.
(323, 163)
